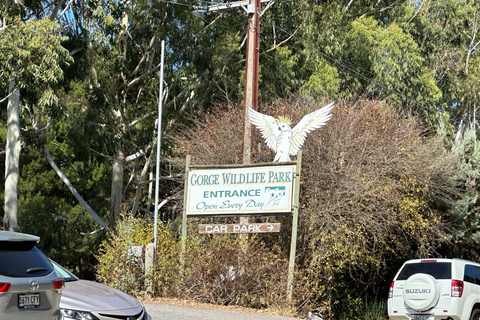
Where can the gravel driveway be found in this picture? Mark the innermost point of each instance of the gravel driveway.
(159, 311)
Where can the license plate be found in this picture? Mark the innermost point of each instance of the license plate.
(420, 317)
(28, 301)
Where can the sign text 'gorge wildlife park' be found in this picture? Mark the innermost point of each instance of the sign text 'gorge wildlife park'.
(240, 191)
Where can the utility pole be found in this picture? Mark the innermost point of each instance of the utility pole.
(251, 75)
(253, 9)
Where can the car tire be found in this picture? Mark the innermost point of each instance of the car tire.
(475, 315)
(420, 292)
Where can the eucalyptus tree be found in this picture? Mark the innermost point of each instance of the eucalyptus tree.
(446, 32)
(117, 60)
(29, 70)
(465, 237)
(33, 66)
(346, 49)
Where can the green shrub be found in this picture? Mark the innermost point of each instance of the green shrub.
(219, 269)
(167, 266)
(124, 271)
(116, 267)
(377, 310)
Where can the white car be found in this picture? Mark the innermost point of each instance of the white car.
(436, 289)
(89, 300)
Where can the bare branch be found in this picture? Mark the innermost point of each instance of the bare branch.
(143, 75)
(419, 8)
(144, 57)
(348, 5)
(134, 122)
(53, 15)
(8, 96)
(66, 9)
(59, 172)
(290, 37)
(75, 51)
(140, 186)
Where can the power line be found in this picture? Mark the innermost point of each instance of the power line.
(353, 70)
(348, 67)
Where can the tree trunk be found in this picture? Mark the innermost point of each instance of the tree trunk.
(138, 193)
(12, 157)
(117, 184)
(117, 174)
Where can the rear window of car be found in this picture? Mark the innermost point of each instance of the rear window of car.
(64, 273)
(20, 262)
(438, 270)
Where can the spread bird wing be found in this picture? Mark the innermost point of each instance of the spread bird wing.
(310, 122)
(265, 124)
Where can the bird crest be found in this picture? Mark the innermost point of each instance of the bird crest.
(282, 139)
(287, 120)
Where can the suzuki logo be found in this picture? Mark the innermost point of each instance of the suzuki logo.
(408, 291)
(34, 285)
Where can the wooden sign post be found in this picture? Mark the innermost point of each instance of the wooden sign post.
(243, 190)
(293, 244)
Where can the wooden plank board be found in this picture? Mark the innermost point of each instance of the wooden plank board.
(239, 228)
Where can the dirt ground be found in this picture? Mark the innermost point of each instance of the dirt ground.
(187, 303)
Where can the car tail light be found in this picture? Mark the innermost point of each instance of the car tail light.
(4, 286)
(58, 283)
(457, 288)
(428, 260)
(390, 294)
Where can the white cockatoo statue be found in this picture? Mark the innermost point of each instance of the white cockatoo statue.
(281, 138)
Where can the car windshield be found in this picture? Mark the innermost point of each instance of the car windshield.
(64, 273)
(23, 261)
(438, 270)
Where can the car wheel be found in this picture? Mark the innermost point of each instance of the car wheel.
(475, 315)
(420, 292)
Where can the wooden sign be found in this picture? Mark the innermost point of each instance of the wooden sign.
(239, 228)
(260, 189)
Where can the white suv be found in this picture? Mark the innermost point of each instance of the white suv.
(440, 289)
(30, 288)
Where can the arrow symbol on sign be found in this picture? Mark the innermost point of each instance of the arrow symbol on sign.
(270, 227)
